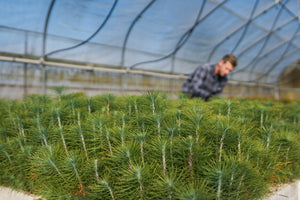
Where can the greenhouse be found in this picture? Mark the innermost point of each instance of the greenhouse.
(91, 101)
(148, 45)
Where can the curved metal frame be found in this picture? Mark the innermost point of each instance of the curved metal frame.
(285, 81)
(247, 25)
(181, 41)
(130, 29)
(89, 38)
(184, 37)
(46, 27)
(282, 56)
(188, 33)
(287, 55)
(258, 41)
(44, 72)
(273, 49)
(235, 31)
(252, 64)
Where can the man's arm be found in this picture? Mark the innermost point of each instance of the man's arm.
(221, 86)
(197, 83)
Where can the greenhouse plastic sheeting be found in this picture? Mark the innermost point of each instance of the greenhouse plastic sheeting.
(169, 36)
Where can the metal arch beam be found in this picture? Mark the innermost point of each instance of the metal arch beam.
(245, 30)
(277, 47)
(179, 43)
(265, 55)
(287, 55)
(46, 27)
(284, 55)
(295, 35)
(262, 28)
(89, 38)
(130, 29)
(258, 41)
(291, 52)
(184, 38)
(265, 42)
(279, 59)
(43, 67)
(284, 81)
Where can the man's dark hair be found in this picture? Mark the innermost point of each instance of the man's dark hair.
(231, 58)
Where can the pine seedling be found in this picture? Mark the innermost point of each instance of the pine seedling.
(190, 143)
(104, 182)
(59, 90)
(195, 190)
(136, 107)
(61, 131)
(96, 170)
(44, 163)
(216, 173)
(123, 155)
(158, 120)
(21, 145)
(166, 187)
(194, 120)
(79, 130)
(178, 119)
(134, 182)
(108, 141)
(267, 133)
(100, 123)
(229, 105)
(123, 122)
(152, 97)
(141, 120)
(158, 149)
(223, 128)
(141, 137)
(21, 130)
(122, 136)
(4, 152)
(261, 118)
(109, 98)
(172, 132)
(42, 131)
(89, 103)
(73, 106)
(72, 163)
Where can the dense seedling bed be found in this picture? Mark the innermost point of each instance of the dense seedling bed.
(147, 147)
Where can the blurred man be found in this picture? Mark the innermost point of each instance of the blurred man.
(209, 79)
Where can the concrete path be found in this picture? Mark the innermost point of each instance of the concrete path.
(286, 192)
(9, 194)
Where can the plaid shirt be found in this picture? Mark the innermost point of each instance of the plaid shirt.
(204, 82)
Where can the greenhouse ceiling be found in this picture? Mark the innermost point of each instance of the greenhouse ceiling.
(166, 36)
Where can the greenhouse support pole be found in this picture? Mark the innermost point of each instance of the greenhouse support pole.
(276, 92)
(42, 61)
(25, 79)
(44, 78)
(25, 65)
